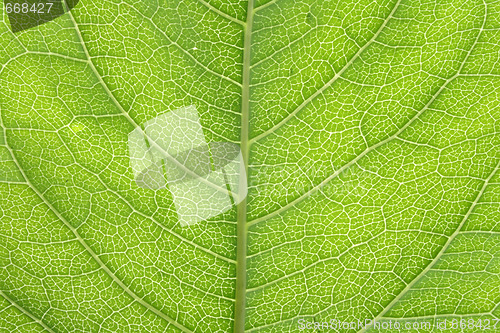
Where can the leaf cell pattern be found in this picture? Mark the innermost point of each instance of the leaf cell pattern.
(370, 133)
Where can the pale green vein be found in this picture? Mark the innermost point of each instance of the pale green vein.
(443, 250)
(12, 182)
(466, 216)
(480, 75)
(494, 309)
(131, 121)
(481, 232)
(473, 205)
(79, 238)
(242, 231)
(267, 4)
(26, 312)
(289, 46)
(352, 162)
(373, 147)
(242, 220)
(330, 82)
(57, 55)
(305, 268)
(298, 242)
(193, 58)
(221, 13)
(126, 202)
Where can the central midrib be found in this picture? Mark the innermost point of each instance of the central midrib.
(241, 246)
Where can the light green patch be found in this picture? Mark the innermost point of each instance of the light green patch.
(371, 136)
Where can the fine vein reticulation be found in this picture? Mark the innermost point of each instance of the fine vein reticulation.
(370, 137)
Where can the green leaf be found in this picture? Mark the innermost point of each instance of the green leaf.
(370, 135)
